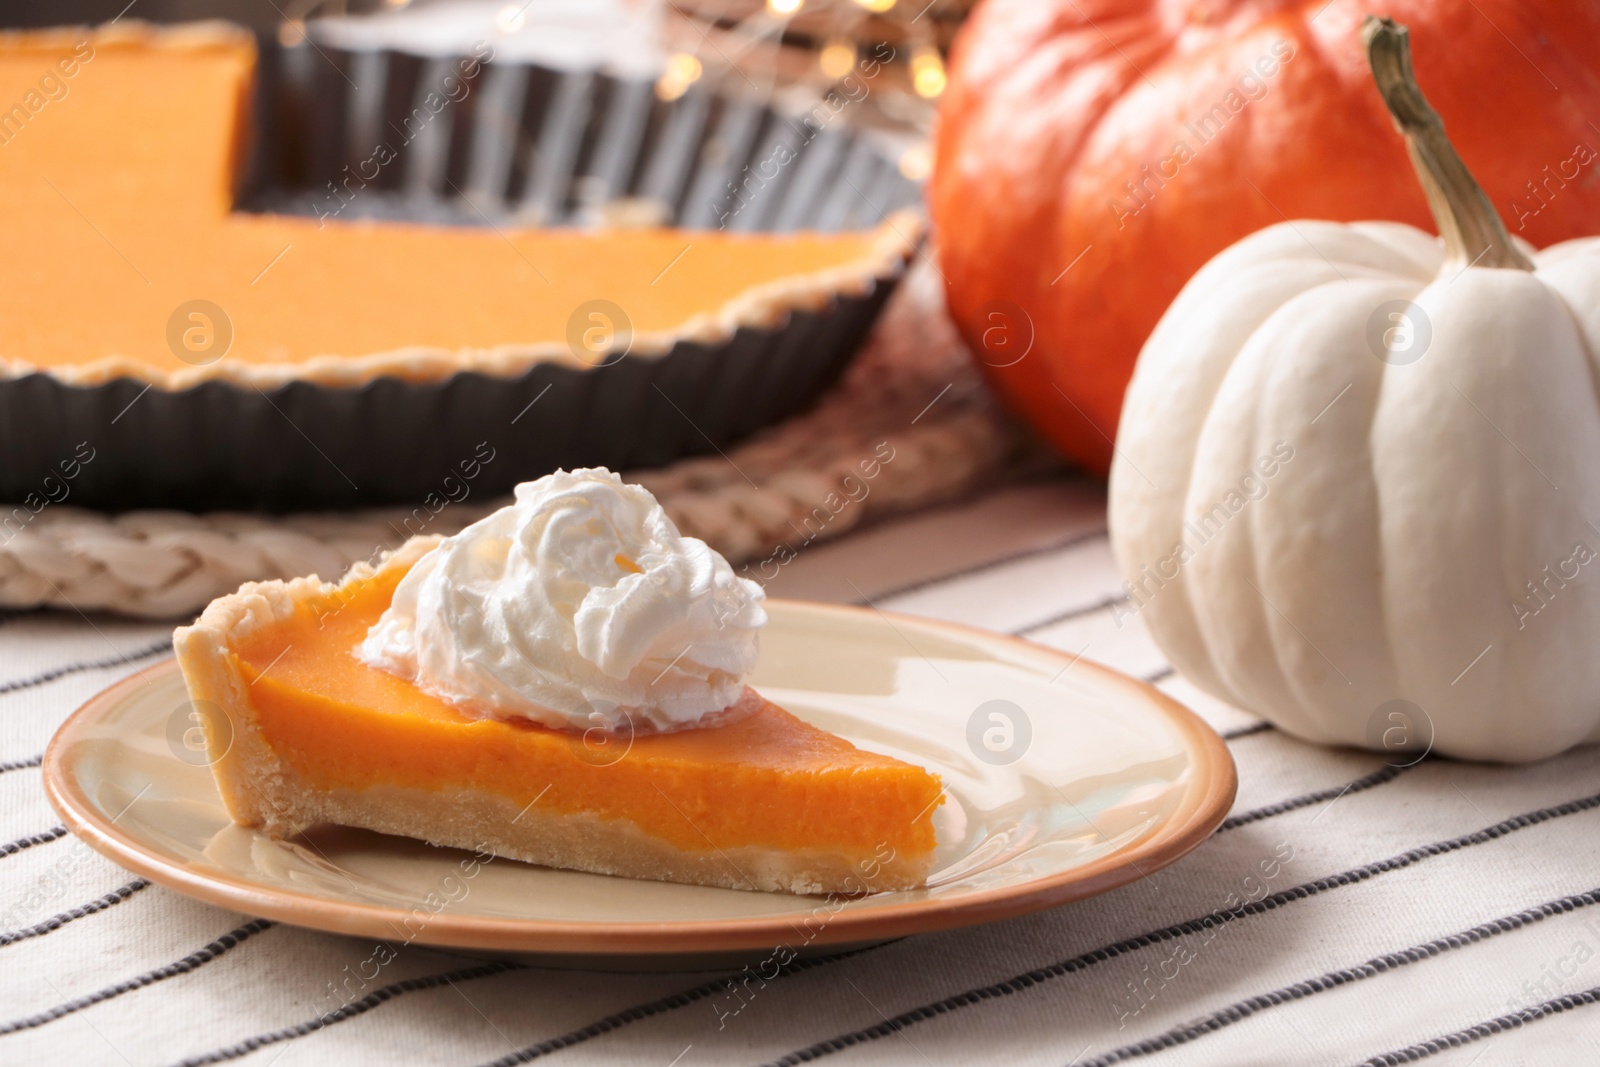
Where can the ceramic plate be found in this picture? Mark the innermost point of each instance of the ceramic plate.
(1064, 779)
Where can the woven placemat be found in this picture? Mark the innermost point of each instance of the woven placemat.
(910, 424)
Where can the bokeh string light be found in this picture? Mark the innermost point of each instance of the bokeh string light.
(775, 46)
(927, 72)
(841, 35)
(682, 70)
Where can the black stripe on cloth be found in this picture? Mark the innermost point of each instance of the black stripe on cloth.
(1247, 731)
(682, 999)
(11, 848)
(1038, 976)
(1160, 675)
(350, 1010)
(1069, 614)
(978, 568)
(1386, 773)
(1513, 1021)
(610, 1022)
(193, 961)
(79, 668)
(21, 764)
(55, 922)
(664, 1004)
(687, 997)
(1389, 961)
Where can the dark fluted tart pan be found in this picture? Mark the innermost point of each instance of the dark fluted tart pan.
(527, 146)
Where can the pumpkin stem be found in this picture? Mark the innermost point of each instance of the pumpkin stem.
(1472, 231)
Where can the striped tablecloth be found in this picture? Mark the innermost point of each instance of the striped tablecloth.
(1354, 911)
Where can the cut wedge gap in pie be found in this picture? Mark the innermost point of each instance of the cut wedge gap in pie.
(301, 732)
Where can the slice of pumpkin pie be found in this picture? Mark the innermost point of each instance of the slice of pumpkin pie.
(561, 683)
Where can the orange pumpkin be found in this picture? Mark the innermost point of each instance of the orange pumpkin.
(1093, 154)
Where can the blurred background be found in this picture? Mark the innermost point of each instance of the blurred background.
(792, 50)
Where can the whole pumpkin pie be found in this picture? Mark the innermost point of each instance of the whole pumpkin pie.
(561, 683)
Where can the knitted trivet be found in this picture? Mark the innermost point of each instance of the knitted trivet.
(909, 425)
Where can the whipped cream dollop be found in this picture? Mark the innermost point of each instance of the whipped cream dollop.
(578, 606)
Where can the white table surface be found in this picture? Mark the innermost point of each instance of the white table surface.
(1421, 907)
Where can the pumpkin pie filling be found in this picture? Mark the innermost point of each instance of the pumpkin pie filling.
(760, 799)
(110, 256)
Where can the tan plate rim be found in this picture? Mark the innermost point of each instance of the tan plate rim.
(1203, 807)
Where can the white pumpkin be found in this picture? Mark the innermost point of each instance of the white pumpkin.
(1359, 466)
